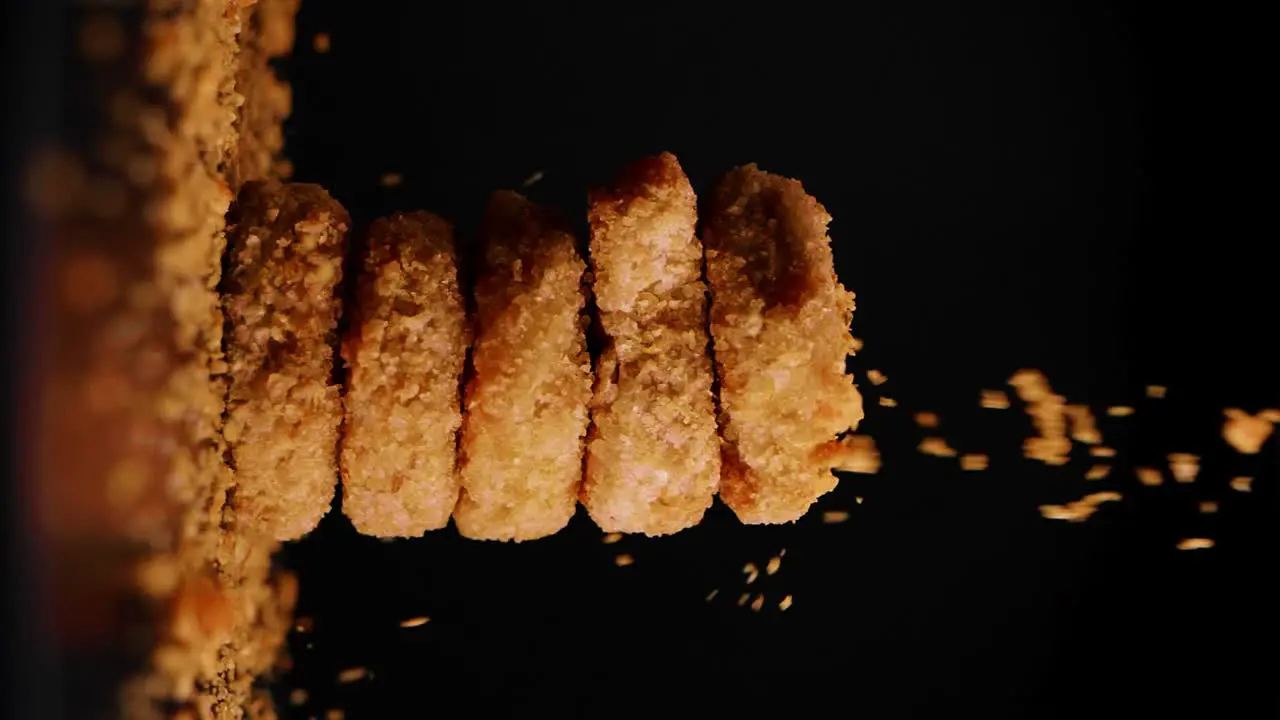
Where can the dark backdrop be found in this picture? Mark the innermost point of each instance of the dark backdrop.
(1013, 185)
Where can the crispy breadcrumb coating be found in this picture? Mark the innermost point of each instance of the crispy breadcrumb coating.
(405, 349)
(780, 324)
(520, 453)
(653, 452)
(281, 299)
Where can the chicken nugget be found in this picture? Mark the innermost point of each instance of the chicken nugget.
(405, 350)
(780, 328)
(520, 453)
(283, 408)
(653, 452)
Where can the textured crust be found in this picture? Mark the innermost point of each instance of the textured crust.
(405, 353)
(283, 409)
(267, 33)
(526, 401)
(780, 324)
(653, 453)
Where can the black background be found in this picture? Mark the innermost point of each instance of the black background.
(1013, 185)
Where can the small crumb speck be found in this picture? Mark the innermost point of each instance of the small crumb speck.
(533, 179)
(415, 622)
(1242, 484)
(354, 674)
(888, 402)
(298, 697)
(973, 461)
(757, 603)
(391, 179)
(712, 595)
(623, 560)
(927, 419)
(612, 538)
(834, 517)
(1208, 507)
(995, 400)
(1195, 544)
(321, 43)
(774, 564)
(785, 603)
(1156, 391)
(876, 377)
(1119, 411)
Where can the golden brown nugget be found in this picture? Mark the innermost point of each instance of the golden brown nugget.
(653, 452)
(520, 452)
(283, 409)
(405, 351)
(780, 325)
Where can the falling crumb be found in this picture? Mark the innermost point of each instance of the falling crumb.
(1097, 472)
(855, 345)
(1083, 427)
(1244, 432)
(751, 572)
(392, 179)
(1119, 411)
(758, 603)
(303, 625)
(415, 622)
(1048, 414)
(612, 538)
(835, 517)
(712, 595)
(533, 179)
(351, 675)
(782, 553)
(856, 453)
(876, 377)
(973, 461)
(927, 419)
(1156, 391)
(1102, 451)
(1242, 484)
(995, 400)
(623, 560)
(1149, 476)
(1208, 507)
(785, 603)
(1079, 510)
(298, 697)
(1195, 544)
(772, 568)
(888, 402)
(936, 446)
(335, 714)
(743, 598)
(1271, 415)
(321, 42)
(857, 499)
(1184, 466)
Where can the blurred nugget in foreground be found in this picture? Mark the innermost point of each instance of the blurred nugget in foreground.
(653, 452)
(283, 412)
(405, 350)
(780, 324)
(520, 452)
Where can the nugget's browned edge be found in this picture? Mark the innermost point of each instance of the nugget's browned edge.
(267, 33)
(153, 576)
(653, 452)
(780, 325)
(282, 302)
(520, 448)
(405, 351)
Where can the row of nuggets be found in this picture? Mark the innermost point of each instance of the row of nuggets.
(493, 415)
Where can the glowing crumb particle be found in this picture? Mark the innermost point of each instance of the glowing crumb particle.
(1102, 451)
(1119, 411)
(1079, 510)
(834, 517)
(743, 598)
(1083, 427)
(888, 402)
(1184, 466)
(1156, 391)
(994, 400)
(1208, 507)
(321, 43)
(612, 538)
(1098, 472)
(785, 603)
(927, 419)
(876, 377)
(855, 345)
(298, 697)
(303, 625)
(351, 675)
(624, 560)
(1244, 432)
(973, 461)
(757, 603)
(533, 179)
(1150, 477)
(751, 572)
(712, 595)
(855, 453)
(1242, 484)
(774, 564)
(857, 499)
(335, 714)
(391, 179)
(936, 446)
(1195, 544)
(415, 622)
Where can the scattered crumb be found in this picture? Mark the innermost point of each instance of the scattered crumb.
(298, 697)
(774, 563)
(927, 419)
(858, 454)
(1102, 451)
(857, 499)
(785, 603)
(1097, 472)
(415, 622)
(1242, 484)
(782, 553)
(1079, 510)
(1156, 391)
(995, 400)
(1244, 432)
(1195, 544)
(1184, 466)
(757, 603)
(351, 675)
(1150, 477)
(1048, 414)
(303, 625)
(973, 461)
(1208, 507)
(936, 446)
(623, 560)
(876, 377)
(751, 572)
(335, 714)
(321, 43)
(855, 345)
(533, 179)
(712, 595)
(1119, 411)
(612, 538)
(834, 517)
(1083, 427)
(392, 179)
(888, 402)
(743, 598)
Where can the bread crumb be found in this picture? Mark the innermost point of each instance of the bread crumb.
(785, 603)
(298, 697)
(351, 675)
(751, 572)
(612, 538)
(757, 603)
(303, 625)
(936, 446)
(335, 714)
(1244, 432)
(835, 517)
(1079, 510)
(1184, 466)
(623, 560)
(1156, 391)
(973, 461)
(775, 563)
(888, 402)
(743, 598)
(1102, 451)
(1097, 472)
(712, 595)
(1195, 544)
(533, 179)
(876, 377)
(1242, 484)
(1083, 427)
(995, 400)
(927, 419)
(1119, 411)
(391, 179)
(855, 345)
(856, 453)
(1048, 414)
(1149, 476)
(415, 622)
(1208, 507)
(321, 43)
(857, 499)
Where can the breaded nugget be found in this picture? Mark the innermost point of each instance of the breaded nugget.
(780, 326)
(520, 453)
(283, 410)
(405, 350)
(653, 452)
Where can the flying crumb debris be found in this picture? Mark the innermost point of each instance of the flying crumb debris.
(774, 563)
(392, 179)
(757, 603)
(1195, 544)
(1079, 510)
(876, 377)
(1208, 507)
(335, 714)
(1271, 415)
(855, 345)
(321, 43)
(786, 603)
(995, 400)
(712, 595)
(298, 697)
(1247, 433)
(612, 538)
(857, 499)
(1242, 484)
(1048, 414)
(351, 675)
(888, 402)
(1156, 391)
(973, 461)
(835, 517)
(927, 419)
(303, 625)
(1150, 477)
(1119, 411)
(1184, 466)
(751, 572)
(936, 446)
(415, 622)
(1102, 451)
(623, 560)
(1097, 472)
(856, 453)
(1084, 429)
(743, 598)
(533, 179)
